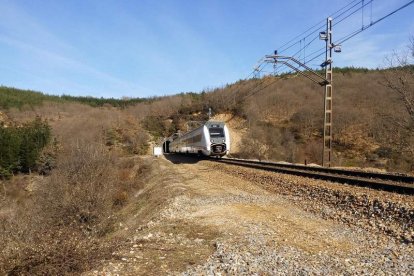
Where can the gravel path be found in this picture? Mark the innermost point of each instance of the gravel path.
(229, 221)
(386, 213)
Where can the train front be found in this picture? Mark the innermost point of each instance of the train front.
(219, 138)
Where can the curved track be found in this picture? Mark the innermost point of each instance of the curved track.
(403, 184)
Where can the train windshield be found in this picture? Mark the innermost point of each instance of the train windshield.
(216, 132)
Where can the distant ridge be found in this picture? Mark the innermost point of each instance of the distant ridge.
(17, 98)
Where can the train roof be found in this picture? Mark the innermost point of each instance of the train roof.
(208, 124)
(214, 124)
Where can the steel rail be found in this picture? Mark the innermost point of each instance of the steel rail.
(403, 184)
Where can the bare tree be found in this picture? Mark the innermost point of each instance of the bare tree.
(400, 79)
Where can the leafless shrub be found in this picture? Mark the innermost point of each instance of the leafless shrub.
(137, 143)
(55, 252)
(58, 231)
(52, 111)
(313, 152)
(399, 78)
(62, 227)
(81, 187)
(307, 122)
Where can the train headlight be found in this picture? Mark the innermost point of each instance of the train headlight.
(224, 140)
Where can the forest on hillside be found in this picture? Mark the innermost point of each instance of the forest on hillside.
(16, 98)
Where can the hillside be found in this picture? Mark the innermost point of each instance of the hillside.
(277, 118)
(90, 192)
(281, 118)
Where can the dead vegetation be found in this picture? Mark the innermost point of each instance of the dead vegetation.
(64, 223)
(283, 118)
(58, 229)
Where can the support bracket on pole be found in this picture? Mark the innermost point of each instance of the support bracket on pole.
(325, 81)
(307, 72)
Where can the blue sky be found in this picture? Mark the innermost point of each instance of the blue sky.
(146, 48)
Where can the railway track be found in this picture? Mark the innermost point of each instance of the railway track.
(403, 184)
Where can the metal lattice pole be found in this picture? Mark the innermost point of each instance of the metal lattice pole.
(325, 81)
(327, 124)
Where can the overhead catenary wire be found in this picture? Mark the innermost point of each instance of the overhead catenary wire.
(318, 26)
(336, 22)
(337, 16)
(374, 22)
(347, 8)
(345, 38)
(305, 46)
(312, 30)
(318, 53)
(352, 13)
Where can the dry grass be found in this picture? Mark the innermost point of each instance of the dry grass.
(364, 119)
(59, 229)
(292, 109)
(64, 226)
(72, 122)
(292, 106)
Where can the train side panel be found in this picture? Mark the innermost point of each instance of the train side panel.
(192, 142)
(211, 139)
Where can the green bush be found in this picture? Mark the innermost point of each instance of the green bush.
(20, 146)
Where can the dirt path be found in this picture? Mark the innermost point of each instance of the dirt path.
(209, 222)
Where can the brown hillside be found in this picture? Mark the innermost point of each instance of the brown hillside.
(276, 118)
(284, 117)
(100, 202)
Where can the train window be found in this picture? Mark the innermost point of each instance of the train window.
(197, 138)
(216, 132)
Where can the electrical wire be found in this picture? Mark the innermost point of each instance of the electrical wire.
(342, 11)
(373, 23)
(321, 51)
(282, 47)
(316, 54)
(352, 13)
(295, 54)
(338, 22)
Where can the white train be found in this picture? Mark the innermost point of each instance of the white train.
(210, 139)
